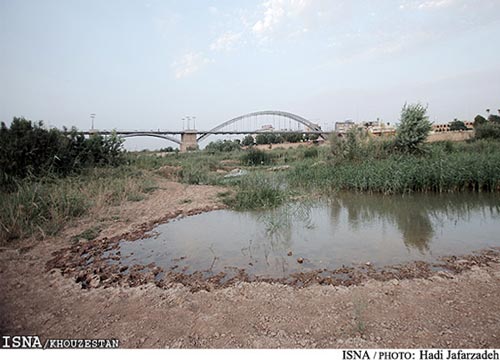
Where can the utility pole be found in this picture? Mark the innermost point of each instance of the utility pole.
(92, 117)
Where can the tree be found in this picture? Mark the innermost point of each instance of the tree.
(488, 130)
(292, 137)
(457, 125)
(29, 149)
(222, 146)
(479, 120)
(248, 140)
(261, 139)
(494, 119)
(313, 137)
(414, 127)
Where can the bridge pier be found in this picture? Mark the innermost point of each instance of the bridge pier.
(189, 140)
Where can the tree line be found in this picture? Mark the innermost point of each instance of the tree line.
(28, 149)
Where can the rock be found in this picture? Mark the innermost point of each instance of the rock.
(289, 253)
(94, 281)
(300, 260)
(236, 173)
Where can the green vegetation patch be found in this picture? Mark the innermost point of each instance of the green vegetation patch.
(257, 191)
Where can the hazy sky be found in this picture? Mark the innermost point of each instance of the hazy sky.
(147, 64)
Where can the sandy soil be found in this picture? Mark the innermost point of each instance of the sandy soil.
(443, 310)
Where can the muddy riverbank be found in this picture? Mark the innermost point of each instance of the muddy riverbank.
(413, 305)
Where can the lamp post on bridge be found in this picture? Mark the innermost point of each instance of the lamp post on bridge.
(92, 117)
(189, 118)
(189, 136)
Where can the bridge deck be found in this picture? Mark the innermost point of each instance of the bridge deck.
(200, 132)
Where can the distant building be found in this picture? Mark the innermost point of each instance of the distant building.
(343, 127)
(446, 127)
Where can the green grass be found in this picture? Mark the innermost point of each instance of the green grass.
(42, 207)
(39, 208)
(440, 169)
(257, 190)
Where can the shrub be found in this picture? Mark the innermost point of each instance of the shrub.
(457, 125)
(479, 120)
(257, 191)
(293, 137)
(494, 119)
(255, 157)
(357, 145)
(223, 146)
(311, 152)
(488, 130)
(413, 129)
(194, 174)
(248, 140)
(269, 138)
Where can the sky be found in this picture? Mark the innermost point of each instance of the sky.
(148, 64)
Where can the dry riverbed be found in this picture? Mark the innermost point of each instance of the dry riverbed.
(407, 306)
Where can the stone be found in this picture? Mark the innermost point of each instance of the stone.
(94, 281)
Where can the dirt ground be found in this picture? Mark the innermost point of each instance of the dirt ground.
(444, 310)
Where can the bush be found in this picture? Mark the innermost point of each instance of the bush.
(359, 145)
(255, 157)
(192, 173)
(257, 191)
(494, 119)
(457, 125)
(248, 140)
(223, 146)
(293, 137)
(413, 129)
(311, 152)
(488, 130)
(479, 120)
(269, 138)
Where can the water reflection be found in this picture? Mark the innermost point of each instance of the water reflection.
(278, 229)
(416, 215)
(346, 229)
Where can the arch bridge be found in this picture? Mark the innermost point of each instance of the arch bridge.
(190, 138)
(299, 119)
